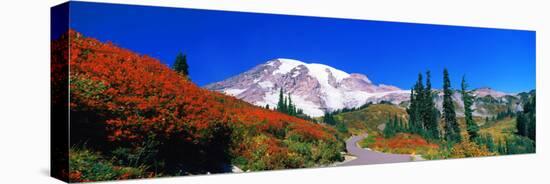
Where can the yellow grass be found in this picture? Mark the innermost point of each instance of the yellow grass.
(501, 128)
(371, 117)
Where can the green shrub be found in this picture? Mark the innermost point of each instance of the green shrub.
(368, 141)
(85, 165)
(327, 152)
(515, 145)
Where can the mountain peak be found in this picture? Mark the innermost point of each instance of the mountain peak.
(285, 61)
(317, 70)
(487, 91)
(315, 88)
(360, 76)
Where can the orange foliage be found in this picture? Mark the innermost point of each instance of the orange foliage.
(139, 96)
(402, 143)
(469, 149)
(76, 176)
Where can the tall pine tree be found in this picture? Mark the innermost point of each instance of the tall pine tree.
(430, 112)
(471, 127)
(180, 64)
(390, 127)
(411, 111)
(423, 115)
(329, 119)
(291, 108)
(285, 105)
(452, 129)
(416, 123)
(280, 103)
(526, 120)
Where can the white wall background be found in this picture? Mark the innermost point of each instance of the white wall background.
(24, 89)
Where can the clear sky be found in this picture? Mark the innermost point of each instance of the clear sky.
(221, 44)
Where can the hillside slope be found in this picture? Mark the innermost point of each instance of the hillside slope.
(372, 118)
(120, 99)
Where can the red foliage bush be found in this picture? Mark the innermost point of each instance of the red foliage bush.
(403, 143)
(139, 97)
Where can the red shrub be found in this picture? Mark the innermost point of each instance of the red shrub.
(138, 96)
(403, 143)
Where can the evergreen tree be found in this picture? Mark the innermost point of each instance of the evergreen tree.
(423, 115)
(267, 106)
(285, 105)
(393, 126)
(468, 100)
(521, 122)
(416, 124)
(280, 103)
(490, 143)
(402, 126)
(341, 127)
(396, 124)
(329, 119)
(532, 107)
(291, 108)
(411, 110)
(389, 128)
(430, 112)
(452, 129)
(180, 64)
(526, 120)
(420, 95)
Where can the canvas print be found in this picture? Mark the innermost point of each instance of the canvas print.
(145, 92)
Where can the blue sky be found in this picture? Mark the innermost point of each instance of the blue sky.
(221, 44)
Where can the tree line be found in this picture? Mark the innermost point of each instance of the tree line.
(512, 144)
(425, 118)
(500, 116)
(526, 120)
(285, 105)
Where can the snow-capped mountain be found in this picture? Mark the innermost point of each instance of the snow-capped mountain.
(314, 88)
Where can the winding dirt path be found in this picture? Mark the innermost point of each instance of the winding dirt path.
(365, 156)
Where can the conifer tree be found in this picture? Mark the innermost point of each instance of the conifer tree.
(280, 103)
(285, 105)
(329, 119)
(526, 120)
(291, 108)
(452, 129)
(402, 127)
(471, 127)
(430, 111)
(419, 91)
(416, 124)
(396, 125)
(180, 64)
(411, 110)
(389, 128)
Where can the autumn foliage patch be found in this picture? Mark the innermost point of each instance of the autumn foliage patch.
(403, 143)
(133, 99)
